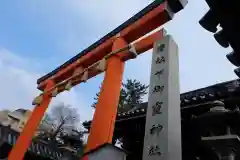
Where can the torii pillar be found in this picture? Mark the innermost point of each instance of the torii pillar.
(102, 127)
(24, 140)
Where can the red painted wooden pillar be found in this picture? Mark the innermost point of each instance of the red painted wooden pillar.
(25, 138)
(102, 127)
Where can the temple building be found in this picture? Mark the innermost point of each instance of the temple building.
(37, 150)
(210, 124)
(210, 128)
(12, 123)
(16, 119)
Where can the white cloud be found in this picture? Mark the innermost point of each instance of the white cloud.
(18, 85)
(76, 100)
(18, 75)
(98, 19)
(200, 55)
(106, 11)
(77, 24)
(202, 61)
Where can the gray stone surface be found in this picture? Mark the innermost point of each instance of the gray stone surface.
(108, 152)
(162, 139)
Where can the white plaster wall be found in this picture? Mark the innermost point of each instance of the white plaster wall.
(107, 153)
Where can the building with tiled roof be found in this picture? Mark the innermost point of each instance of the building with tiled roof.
(37, 150)
(12, 123)
(210, 124)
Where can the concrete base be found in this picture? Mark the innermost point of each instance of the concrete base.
(107, 152)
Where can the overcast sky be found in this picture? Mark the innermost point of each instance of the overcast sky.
(37, 36)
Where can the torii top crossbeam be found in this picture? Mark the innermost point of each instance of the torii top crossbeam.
(108, 54)
(148, 19)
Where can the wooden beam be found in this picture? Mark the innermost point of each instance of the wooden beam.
(141, 46)
(102, 127)
(153, 19)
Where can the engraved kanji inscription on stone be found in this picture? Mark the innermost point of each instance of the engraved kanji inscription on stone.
(160, 60)
(162, 140)
(159, 73)
(156, 129)
(161, 48)
(156, 108)
(154, 150)
(158, 89)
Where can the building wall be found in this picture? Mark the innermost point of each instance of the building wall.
(4, 115)
(107, 152)
(24, 119)
(15, 119)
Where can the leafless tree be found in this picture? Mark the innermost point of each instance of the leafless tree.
(61, 119)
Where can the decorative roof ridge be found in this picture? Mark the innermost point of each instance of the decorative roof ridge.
(206, 94)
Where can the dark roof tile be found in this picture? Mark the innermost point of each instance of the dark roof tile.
(35, 147)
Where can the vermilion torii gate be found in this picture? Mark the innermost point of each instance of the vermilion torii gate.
(106, 55)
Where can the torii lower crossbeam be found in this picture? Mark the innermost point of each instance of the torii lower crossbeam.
(89, 64)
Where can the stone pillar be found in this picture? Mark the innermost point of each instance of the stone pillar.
(163, 121)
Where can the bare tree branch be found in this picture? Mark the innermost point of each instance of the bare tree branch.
(62, 118)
